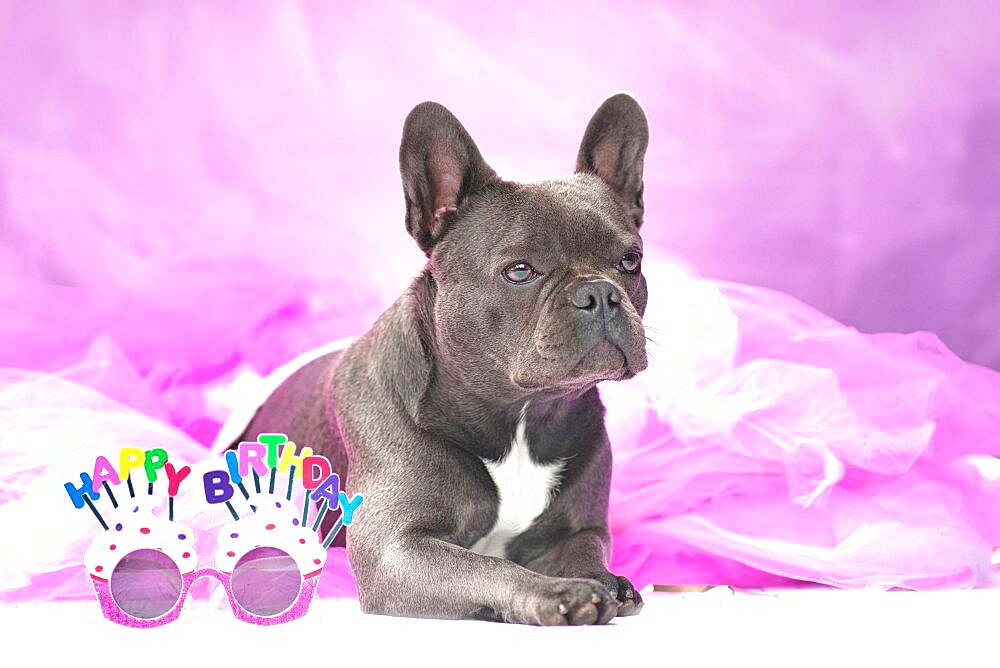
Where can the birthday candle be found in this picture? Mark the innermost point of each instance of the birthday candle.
(153, 461)
(272, 441)
(104, 472)
(130, 458)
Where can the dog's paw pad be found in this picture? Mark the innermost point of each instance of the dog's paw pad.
(575, 602)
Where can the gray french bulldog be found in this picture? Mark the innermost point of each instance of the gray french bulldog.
(468, 416)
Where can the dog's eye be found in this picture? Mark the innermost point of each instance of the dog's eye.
(520, 273)
(630, 263)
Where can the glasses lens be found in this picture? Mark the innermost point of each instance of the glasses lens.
(266, 581)
(146, 584)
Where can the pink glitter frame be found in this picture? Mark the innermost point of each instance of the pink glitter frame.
(112, 611)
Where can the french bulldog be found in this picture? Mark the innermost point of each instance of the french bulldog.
(468, 416)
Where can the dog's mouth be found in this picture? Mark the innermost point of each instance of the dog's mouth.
(605, 360)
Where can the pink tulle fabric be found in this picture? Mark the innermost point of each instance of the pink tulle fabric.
(191, 195)
(778, 443)
(765, 444)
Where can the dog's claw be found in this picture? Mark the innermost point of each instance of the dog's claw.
(563, 609)
(631, 599)
(628, 599)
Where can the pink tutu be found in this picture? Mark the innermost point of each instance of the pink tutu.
(777, 443)
(192, 195)
(766, 443)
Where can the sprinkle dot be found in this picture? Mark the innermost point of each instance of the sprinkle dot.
(269, 527)
(99, 569)
(118, 527)
(316, 561)
(136, 509)
(181, 536)
(114, 547)
(230, 554)
(277, 503)
(186, 555)
(234, 535)
(295, 521)
(302, 541)
(144, 530)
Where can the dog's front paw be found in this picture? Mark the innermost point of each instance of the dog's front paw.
(627, 596)
(576, 602)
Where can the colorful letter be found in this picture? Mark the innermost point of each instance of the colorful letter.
(252, 454)
(311, 479)
(349, 506)
(217, 487)
(130, 458)
(272, 441)
(175, 477)
(76, 493)
(155, 459)
(288, 458)
(329, 490)
(234, 468)
(103, 472)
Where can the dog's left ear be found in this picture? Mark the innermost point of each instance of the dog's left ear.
(441, 168)
(613, 148)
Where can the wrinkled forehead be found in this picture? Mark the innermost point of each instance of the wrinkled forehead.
(570, 217)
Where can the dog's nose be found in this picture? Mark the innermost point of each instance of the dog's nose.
(597, 298)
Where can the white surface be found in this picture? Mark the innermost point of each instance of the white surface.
(525, 488)
(716, 628)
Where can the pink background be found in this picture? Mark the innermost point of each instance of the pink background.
(186, 187)
(156, 154)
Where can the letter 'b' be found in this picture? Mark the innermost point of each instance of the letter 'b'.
(217, 487)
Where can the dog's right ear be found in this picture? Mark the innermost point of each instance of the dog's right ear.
(441, 167)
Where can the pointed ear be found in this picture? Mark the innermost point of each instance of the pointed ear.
(613, 148)
(441, 167)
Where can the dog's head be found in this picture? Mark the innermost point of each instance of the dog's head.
(539, 286)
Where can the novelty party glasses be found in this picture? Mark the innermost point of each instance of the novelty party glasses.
(142, 565)
(147, 588)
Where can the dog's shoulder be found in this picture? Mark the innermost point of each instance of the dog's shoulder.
(388, 367)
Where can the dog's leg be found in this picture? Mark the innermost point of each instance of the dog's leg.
(427, 499)
(584, 554)
(423, 576)
(572, 539)
(424, 501)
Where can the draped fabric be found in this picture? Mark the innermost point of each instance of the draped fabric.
(191, 195)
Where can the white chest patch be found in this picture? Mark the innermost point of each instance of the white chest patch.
(525, 489)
